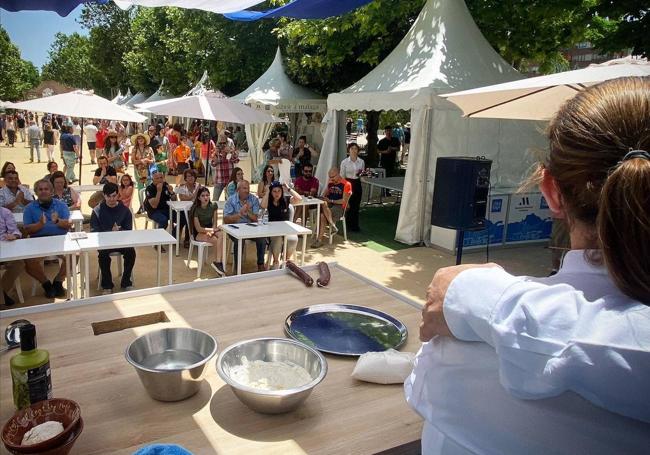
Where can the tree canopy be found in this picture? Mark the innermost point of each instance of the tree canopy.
(16, 75)
(70, 61)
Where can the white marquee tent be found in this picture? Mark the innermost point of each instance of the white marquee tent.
(126, 97)
(135, 99)
(444, 51)
(275, 93)
(158, 95)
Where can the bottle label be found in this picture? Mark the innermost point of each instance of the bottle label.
(39, 383)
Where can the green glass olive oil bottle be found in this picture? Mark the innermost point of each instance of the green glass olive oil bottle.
(30, 370)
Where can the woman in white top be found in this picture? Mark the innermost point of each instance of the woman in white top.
(560, 364)
(351, 168)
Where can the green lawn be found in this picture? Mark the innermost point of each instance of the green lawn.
(378, 226)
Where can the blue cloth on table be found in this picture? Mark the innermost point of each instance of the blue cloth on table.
(162, 449)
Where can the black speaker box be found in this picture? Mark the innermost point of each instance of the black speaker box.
(460, 192)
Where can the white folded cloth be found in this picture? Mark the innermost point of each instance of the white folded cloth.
(387, 367)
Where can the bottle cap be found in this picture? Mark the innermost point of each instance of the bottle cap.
(28, 337)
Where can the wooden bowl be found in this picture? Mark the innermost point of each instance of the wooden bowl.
(60, 409)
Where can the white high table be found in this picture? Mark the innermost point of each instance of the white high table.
(243, 231)
(41, 247)
(389, 183)
(308, 201)
(179, 207)
(125, 239)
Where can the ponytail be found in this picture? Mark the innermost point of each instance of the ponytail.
(623, 225)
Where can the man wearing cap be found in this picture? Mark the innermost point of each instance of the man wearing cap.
(223, 162)
(110, 215)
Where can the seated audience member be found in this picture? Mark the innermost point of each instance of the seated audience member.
(13, 269)
(205, 227)
(45, 217)
(560, 364)
(307, 185)
(157, 196)
(63, 192)
(243, 207)
(336, 197)
(6, 167)
(125, 190)
(110, 215)
(187, 192)
(52, 167)
(104, 173)
(268, 177)
(14, 196)
(236, 176)
(277, 205)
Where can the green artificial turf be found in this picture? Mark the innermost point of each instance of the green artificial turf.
(378, 225)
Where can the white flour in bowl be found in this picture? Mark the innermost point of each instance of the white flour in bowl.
(42, 432)
(263, 375)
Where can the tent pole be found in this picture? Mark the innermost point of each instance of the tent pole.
(81, 147)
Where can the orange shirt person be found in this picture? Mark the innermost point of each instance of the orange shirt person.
(182, 156)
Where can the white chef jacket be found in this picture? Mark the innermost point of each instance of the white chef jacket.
(556, 365)
(350, 169)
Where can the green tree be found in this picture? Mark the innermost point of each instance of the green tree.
(109, 34)
(16, 75)
(69, 61)
(622, 24)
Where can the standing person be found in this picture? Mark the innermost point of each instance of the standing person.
(109, 216)
(12, 270)
(302, 154)
(556, 364)
(277, 205)
(142, 157)
(223, 162)
(388, 148)
(13, 195)
(243, 207)
(101, 135)
(70, 151)
(207, 149)
(11, 131)
(182, 159)
(205, 227)
(114, 152)
(42, 218)
(407, 142)
(160, 157)
(35, 137)
(90, 130)
(398, 133)
(240, 137)
(285, 150)
(3, 127)
(76, 131)
(351, 169)
(49, 140)
(21, 124)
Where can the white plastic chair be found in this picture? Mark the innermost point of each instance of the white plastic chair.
(142, 194)
(201, 248)
(345, 226)
(120, 269)
(292, 213)
(17, 285)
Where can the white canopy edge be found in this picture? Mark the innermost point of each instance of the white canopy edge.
(215, 6)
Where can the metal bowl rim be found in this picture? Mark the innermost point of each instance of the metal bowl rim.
(310, 385)
(171, 370)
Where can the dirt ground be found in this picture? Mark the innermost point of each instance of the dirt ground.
(407, 271)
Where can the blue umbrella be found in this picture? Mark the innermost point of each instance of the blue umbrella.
(302, 9)
(61, 7)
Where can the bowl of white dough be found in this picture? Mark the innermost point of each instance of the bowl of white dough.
(271, 375)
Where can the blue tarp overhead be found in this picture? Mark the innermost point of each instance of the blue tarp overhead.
(61, 7)
(301, 9)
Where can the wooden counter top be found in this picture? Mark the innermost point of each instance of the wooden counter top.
(342, 415)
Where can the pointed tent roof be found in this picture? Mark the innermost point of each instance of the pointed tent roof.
(126, 97)
(443, 51)
(274, 88)
(137, 98)
(203, 86)
(118, 98)
(158, 95)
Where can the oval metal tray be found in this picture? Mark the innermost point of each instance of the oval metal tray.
(349, 330)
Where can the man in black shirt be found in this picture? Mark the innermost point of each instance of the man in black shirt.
(104, 173)
(157, 196)
(112, 215)
(388, 148)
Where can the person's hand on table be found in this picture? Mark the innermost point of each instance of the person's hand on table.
(433, 319)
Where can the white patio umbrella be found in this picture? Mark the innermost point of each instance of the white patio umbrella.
(539, 98)
(208, 106)
(83, 104)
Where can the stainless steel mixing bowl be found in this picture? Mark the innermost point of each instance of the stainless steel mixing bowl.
(170, 362)
(272, 350)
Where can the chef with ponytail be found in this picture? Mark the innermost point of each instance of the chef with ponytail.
(561, 364)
